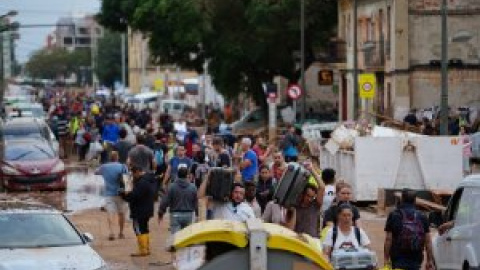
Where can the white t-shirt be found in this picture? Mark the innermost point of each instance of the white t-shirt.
(227, 211)
(328, 197)
(346, 241)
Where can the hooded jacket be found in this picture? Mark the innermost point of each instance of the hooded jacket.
(142, 197)
(181, 197)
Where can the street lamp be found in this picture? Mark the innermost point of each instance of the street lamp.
(9, 14)
(302, 59)
(444, 92)
(4, 26)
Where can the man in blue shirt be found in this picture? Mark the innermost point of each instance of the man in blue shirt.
(110, 134)
(114, 205)
(249, 164)
(172, 169)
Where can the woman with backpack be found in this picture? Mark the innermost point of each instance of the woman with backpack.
(344, 235)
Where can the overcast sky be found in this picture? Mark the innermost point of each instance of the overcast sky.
(42, 12)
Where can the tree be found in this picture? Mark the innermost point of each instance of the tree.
(109, 59)
(57, 62)
(246, 43)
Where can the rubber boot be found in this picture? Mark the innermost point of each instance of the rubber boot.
(143, 249)
(147, 245)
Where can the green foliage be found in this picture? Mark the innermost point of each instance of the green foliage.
(109, 58)
(52, 63)
(245, 42)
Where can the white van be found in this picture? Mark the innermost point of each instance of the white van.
(144, 100)
(174, 107)
(459, 247)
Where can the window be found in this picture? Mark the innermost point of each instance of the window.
(82, 31)
(452, 209)
(67, 41)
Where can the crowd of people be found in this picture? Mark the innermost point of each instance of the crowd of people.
(170, 160)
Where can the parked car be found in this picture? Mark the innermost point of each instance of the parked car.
(32, 110)
(459, 247)
(31, 164)
(25, 127)
(36, 236)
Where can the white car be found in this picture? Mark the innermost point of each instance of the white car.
(459, 247)
(36, 236)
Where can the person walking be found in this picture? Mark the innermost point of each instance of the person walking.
(249, 164)
(289, 145)
(141, 198)
(407, 236)
(123, 146)
(265, 187)
(171, 172)
(345, 235)
(111, 173)
(236, 209)
(181, 199)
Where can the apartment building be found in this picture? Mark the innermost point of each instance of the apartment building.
(77, 32)
(400, 42)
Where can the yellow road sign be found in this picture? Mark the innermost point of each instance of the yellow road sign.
(158, 85)
(367, 85)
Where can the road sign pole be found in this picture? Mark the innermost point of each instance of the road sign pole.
(295, 111)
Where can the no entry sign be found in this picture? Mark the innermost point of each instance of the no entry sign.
(294, 91)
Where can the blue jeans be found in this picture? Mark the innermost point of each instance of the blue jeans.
(180, 220)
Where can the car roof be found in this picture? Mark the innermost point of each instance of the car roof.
(24, 121)
(27, 141)
(471, 181)
(26, 207)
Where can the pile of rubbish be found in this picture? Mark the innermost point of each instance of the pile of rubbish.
(341, 136)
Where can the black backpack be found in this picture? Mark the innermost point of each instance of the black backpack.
(357, 235)
(412, 234)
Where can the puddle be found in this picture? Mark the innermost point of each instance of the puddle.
(84, 191)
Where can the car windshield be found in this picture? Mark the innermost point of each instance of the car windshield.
(24, 230)
(19, 152)
(15, 132)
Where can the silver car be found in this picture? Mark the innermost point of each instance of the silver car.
(36, 236)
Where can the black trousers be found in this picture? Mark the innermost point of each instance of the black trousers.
(140, 225)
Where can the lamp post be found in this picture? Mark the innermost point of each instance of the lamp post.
(355, 61)
(4, 27)
(444, 91)
(302, 59)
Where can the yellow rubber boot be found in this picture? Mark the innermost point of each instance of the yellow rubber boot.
(143, 249)
(147, 243)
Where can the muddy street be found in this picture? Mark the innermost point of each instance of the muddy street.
(82, 201)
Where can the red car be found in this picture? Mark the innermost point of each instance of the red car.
(32, 165)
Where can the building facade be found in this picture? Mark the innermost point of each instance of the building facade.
(400, 42)
(77, 32)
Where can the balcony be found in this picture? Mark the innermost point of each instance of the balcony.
(334, 52)
(373, 54)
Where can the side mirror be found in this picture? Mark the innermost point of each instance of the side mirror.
(88, 237)
(436, 219)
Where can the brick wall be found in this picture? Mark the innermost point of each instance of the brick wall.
(463, 87)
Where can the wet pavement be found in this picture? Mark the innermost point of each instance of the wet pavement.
(84, 191)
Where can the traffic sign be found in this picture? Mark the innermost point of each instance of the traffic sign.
(367, 84)
(294, 91)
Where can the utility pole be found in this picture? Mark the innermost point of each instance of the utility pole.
(355, 61)
(123, 60)
(302, 61)
(444, 93)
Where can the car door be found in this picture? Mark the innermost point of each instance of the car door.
(461, 234)
(443, 246)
